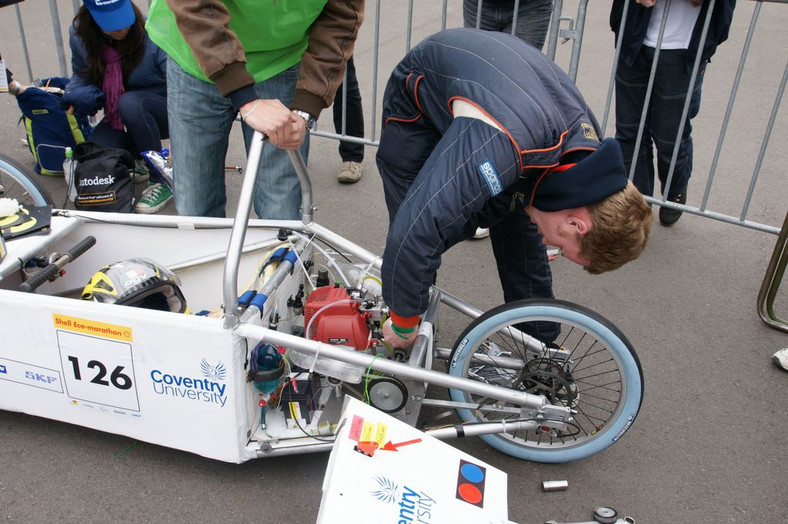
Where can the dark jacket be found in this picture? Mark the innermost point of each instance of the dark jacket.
(637, 23)
(544, 120)
(87, 97)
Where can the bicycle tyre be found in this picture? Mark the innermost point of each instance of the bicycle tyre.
(603, 384)
(19, 183)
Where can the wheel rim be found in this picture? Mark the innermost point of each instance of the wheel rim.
(19, 184)
(600, 381)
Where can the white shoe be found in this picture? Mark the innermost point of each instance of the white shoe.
(780, 359)
(349, 173)
(481, 232)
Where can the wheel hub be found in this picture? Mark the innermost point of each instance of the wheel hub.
(543, 376)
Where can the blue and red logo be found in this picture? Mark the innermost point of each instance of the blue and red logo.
(470, 483)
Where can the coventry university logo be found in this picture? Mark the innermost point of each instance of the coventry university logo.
(209, 389)
(387, 490)
(217, 372)
(409, 505)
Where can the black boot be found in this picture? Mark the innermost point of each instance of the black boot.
(669, 216)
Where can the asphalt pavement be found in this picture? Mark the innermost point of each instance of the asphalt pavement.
(709, 444)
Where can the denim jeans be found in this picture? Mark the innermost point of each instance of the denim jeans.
(533, 18)
(354, 119)
(144, 114)
(200, 123)
(668, 96)
(521, 257)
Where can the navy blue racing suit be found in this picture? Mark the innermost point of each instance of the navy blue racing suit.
(444, 176)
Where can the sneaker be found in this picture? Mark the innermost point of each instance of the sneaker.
(15, 88)
(780, 359)
(668, 216)
(349, 173)
(153, 199)
(139, 173)
(481, 232)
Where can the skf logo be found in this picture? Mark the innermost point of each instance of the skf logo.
(490, 175)
(470, 483)
(38, 377)
(588, 131)
(3, 369)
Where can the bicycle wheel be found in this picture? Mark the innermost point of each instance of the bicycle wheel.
(595, 372)
(19, 183)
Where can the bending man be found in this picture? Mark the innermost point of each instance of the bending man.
(479, 129)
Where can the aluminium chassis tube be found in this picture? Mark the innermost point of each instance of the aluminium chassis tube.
(311, 347)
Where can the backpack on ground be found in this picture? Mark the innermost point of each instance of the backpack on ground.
(50, 130)
(102, 178)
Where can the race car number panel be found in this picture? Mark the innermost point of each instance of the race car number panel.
(98, 370)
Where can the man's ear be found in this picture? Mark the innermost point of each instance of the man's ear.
(579, 220)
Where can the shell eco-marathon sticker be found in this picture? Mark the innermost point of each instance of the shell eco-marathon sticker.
(91, 327)
(98, 364)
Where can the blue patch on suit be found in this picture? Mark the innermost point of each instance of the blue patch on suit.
(490, 176)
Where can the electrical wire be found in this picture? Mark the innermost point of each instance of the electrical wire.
(366, 381)
(295, 418)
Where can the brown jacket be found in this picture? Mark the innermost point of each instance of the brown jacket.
(204, 25)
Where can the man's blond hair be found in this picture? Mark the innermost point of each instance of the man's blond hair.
(621, 225)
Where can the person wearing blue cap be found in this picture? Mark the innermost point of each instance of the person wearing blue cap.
(117, 68)
(480, 128)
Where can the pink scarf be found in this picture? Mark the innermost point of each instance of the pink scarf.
(112, 87)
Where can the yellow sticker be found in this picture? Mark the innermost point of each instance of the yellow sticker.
(381, 430)
(367, 431)
(91, 327)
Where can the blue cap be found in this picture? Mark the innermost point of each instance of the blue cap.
(111, 15)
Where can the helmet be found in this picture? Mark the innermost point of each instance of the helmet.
(137, 282)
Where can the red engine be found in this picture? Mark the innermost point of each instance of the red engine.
(340, 323)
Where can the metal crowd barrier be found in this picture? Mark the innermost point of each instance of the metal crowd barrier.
(771, 282)
(573, 30)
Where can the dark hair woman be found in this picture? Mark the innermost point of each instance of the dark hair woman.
(117, 68)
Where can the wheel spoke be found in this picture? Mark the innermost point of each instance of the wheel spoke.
(583, 369)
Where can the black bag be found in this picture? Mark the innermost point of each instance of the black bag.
(102, 178)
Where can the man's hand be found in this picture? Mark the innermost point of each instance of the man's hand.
(649, 3)
(283, 129)
(398, 340)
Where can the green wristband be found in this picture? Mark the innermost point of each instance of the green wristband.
(402, 332)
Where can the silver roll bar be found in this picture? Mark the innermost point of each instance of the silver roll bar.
(238, 233)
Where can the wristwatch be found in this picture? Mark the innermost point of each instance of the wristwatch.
(309, 119)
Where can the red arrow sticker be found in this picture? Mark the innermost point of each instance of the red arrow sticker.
(389, 446)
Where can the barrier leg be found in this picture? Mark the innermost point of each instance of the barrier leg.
(773, 279)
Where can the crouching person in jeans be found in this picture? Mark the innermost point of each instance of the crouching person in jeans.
(116, 67)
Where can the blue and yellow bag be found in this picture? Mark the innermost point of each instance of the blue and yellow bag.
(50, 130)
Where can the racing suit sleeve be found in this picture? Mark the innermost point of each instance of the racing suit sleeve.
(471, 165)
